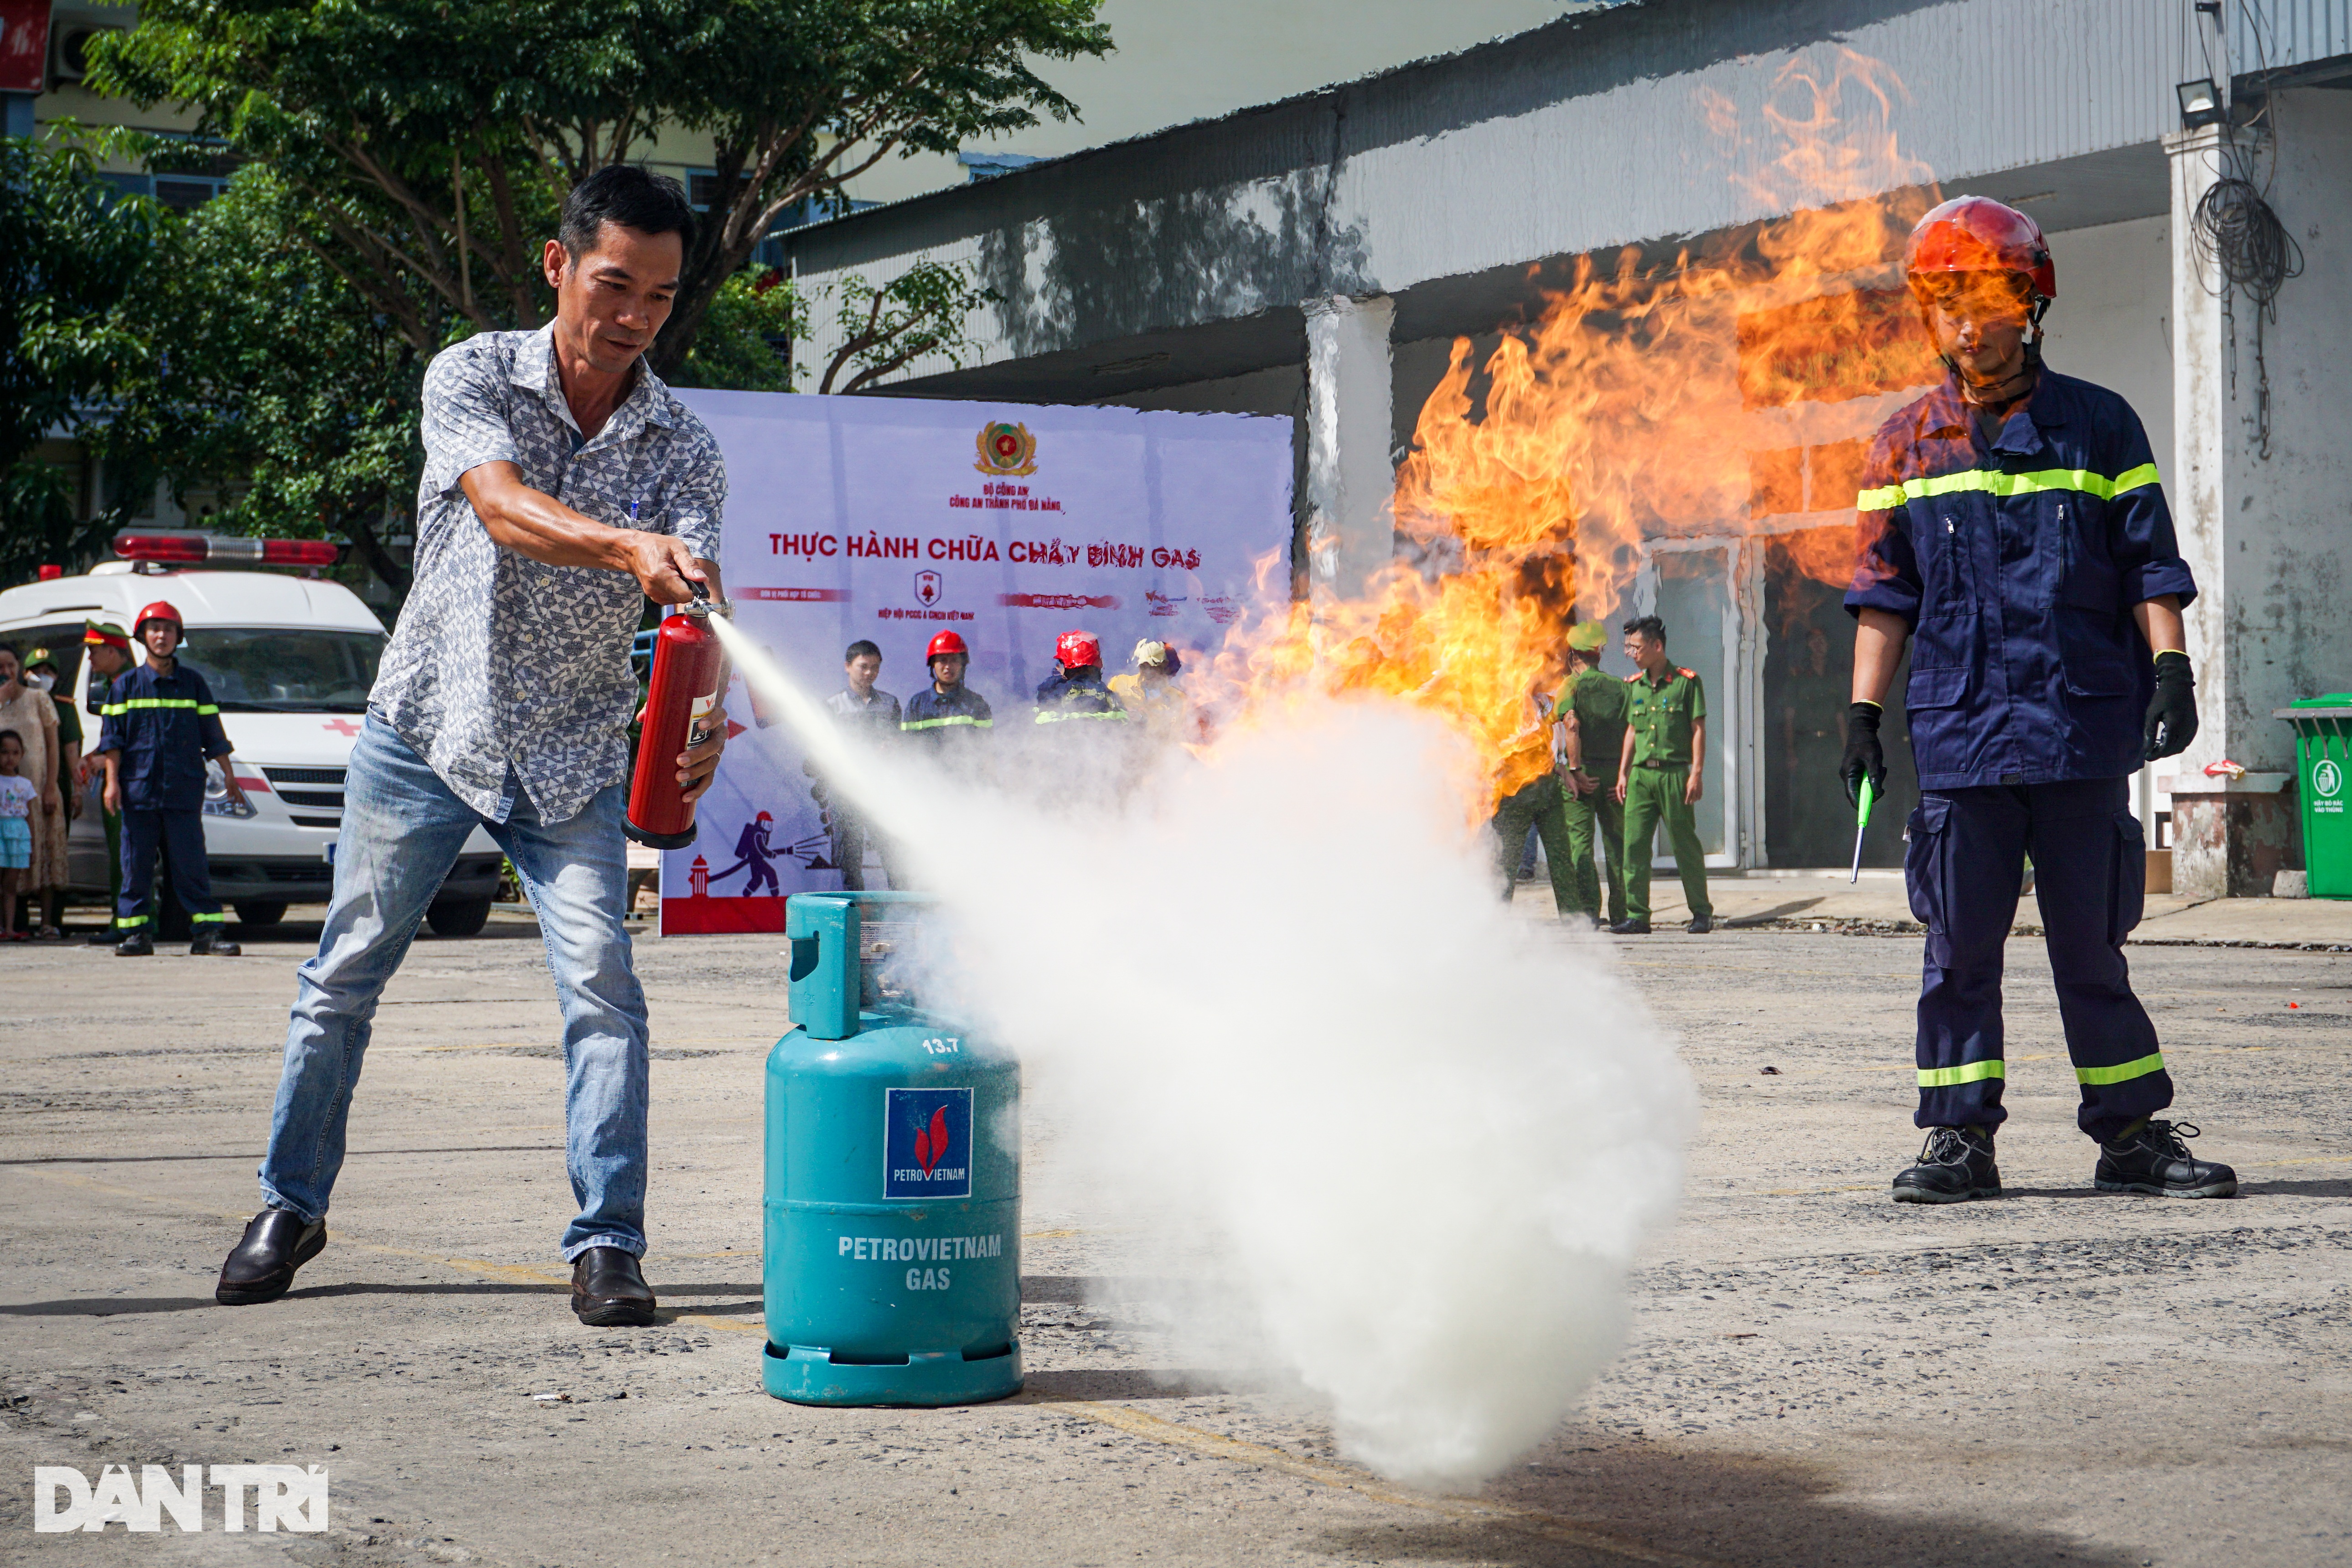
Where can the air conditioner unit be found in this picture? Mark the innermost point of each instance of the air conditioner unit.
(70, 51)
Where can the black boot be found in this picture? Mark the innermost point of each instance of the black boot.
(1700, 925)
(1955, 1164)
(1630, 928)
(210, 943)
(609, 1291)
(261, 1266)
(140, 943)
(2150, 1157)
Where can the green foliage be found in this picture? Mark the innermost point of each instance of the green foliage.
(921, 312)
(275, 372)
(434, 139)
(745, 345)
(71, 250)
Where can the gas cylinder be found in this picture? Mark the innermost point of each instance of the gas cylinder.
(690, 674)
(892, 1244)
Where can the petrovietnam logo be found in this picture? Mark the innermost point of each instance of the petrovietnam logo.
(2327, 778)
(927, 1144)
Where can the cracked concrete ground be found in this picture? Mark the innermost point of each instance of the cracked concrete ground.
(1815, 1375)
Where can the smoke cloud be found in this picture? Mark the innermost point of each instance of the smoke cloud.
(1271, 993)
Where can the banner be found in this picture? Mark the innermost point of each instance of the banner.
(892, 519)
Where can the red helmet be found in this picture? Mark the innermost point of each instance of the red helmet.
(1075, 650)
(1977, 234)
(943, 645)
(764, 816)
(161, 610)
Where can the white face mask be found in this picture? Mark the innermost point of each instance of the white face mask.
(41, 680)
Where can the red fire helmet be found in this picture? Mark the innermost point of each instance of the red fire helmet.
(764, 816)
(1977, 234)
(943, 645)
(161, 610)
(1078, 649)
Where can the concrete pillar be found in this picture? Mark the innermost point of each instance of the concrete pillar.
(2264, 520)
(1350, 530)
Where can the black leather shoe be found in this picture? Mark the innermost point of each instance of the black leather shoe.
(1700, 925)
(1630, 928)
(2152, 1159)
(138, 944)
(1955, 1164)
(609, 1290)
(210, 943)
(261, 1266)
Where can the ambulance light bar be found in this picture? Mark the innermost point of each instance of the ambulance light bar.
(185, 549)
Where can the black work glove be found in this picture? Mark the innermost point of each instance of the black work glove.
(1864, 757)
(2172, 714)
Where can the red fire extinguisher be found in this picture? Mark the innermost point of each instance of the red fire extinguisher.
(689, 677)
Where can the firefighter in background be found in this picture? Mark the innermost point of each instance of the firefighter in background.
(2011, 522)
(1151, 695)
(1077, 692)
(161, 727)
(107, 648)
(1591, 711)
(946, 719)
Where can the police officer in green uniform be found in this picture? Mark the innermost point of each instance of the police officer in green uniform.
(1593, 709)
(1659, 775)
(107, 648)
(1538, 804)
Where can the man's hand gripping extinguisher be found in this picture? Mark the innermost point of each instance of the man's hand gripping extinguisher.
(689, 682)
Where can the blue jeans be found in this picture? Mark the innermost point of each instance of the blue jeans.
(402, 831)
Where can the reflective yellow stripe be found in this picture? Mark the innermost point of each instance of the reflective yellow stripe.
(2123, 1073)
(2081, 482)
(206, 708)
(943, 723)
(200, 920)
(1966, 1072)
(1044, 718)
(130, 920)
(128, 704)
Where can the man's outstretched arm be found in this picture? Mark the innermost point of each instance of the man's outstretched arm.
(533, 523)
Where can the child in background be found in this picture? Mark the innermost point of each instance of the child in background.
(16, 796)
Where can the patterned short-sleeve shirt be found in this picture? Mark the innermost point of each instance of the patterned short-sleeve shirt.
(499, 661)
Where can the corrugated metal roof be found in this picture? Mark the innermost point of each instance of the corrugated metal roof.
(1627, 126)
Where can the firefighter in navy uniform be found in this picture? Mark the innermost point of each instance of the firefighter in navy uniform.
(1077, 692)
(161, 727)
(2012, 524)
(947, 719)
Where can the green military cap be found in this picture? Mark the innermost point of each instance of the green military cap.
(1588, 637)
(105, 634)
(39, 656)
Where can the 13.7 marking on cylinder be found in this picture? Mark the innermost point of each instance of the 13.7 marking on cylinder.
(943, 1046)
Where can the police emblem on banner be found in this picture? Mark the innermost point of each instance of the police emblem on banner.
(927, 1144)
(926, 588)
(1006, 450)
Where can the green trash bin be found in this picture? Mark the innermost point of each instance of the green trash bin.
(2323, 745)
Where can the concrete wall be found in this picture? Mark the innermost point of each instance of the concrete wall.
(2112, 322)
(2266, 525)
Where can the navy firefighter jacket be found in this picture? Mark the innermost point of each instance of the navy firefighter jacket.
(165, 726)
(2017, 565)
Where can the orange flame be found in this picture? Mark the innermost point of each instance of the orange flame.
(1730, 391)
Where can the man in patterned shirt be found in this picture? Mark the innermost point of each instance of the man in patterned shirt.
(563, 487)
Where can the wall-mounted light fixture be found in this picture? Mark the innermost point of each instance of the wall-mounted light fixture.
(2200, 103)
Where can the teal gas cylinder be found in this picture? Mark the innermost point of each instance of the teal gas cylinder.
(892, 1268)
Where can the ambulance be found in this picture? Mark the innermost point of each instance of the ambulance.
(290, 660)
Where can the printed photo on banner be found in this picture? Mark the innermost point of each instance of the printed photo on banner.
(886, 522)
